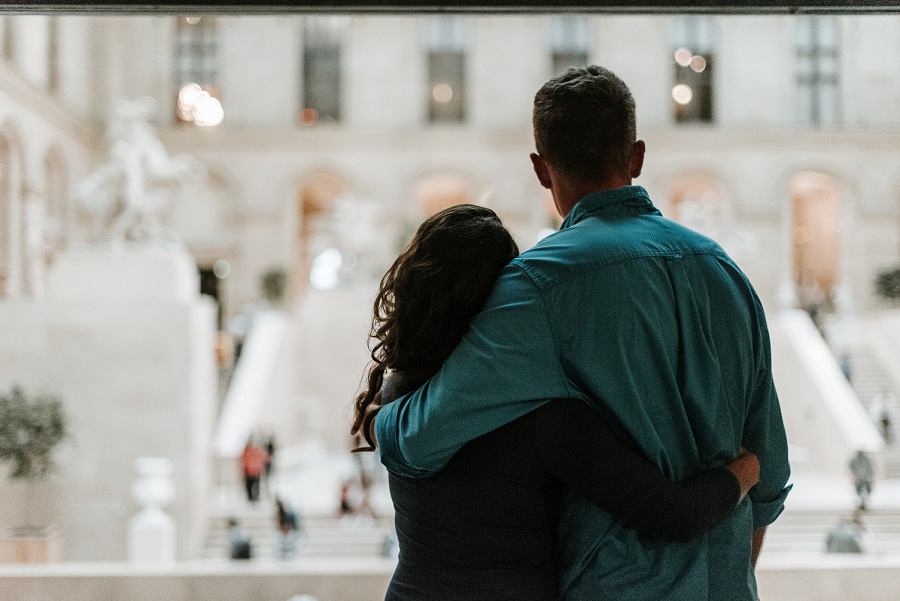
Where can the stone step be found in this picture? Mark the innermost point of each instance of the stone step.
(321, 536)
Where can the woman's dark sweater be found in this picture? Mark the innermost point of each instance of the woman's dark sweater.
(482, 529)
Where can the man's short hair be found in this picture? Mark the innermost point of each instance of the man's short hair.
(584, 123)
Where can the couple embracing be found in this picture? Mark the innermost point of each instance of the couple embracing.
(592, 419)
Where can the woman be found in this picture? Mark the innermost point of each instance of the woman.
(482, 528)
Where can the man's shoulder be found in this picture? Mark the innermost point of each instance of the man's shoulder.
(593, 244)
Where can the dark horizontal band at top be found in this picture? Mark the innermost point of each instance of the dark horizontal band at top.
(460, 6)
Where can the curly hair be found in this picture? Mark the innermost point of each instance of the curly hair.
(431, 292)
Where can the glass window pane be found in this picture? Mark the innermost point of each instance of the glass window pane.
(828, 32)
(828, 105)
(803, 33)
(563, 60)
(322, 81)
(445, 33)
(569, 34)
(446, 86)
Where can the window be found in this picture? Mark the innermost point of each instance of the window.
(9, 37)
(53, 53)
(568, 42)
(446, 43)
(196, 72)
(693, 44)
(321, 75)
(816, 40)
(6, 194)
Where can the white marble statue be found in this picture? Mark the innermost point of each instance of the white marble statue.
(127, 196)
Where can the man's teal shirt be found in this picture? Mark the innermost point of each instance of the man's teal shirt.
(656, 327)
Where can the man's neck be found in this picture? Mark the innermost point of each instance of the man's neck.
(568, 193)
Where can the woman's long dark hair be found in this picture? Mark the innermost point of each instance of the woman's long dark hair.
(430, 293)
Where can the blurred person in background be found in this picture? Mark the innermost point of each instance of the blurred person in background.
(880, 412)
(287, 537)
(846, 535)
(253, 465)
(239, 543)
(863, 473)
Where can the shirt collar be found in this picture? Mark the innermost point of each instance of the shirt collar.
(597, 200)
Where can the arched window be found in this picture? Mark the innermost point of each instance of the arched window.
(437, 192)
(315, 262)
(55, 186)
(816, 220)
(11, 219)
(697, 201)
(5, 208)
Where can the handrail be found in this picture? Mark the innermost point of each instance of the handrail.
(249, 383)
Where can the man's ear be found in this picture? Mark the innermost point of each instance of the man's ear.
(637, 158)
(540, 170)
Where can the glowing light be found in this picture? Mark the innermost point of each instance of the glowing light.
(188, 95)
(683, 57)
(222, 269)
(323, 274)
(442, 93)
(698, 63)
(192, 20)
(309, 116)
(682, 94)
(208, 111)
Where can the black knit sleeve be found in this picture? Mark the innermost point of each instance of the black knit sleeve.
(574, 444)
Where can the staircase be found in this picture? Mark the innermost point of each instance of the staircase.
(804, 531)
(869, 379)
(322, 536)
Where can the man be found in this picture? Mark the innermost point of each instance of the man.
(863, 477)
(649, 322)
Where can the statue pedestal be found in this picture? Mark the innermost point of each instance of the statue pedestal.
(150, 275)
(127, 341)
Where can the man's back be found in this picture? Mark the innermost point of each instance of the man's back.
(656, 325)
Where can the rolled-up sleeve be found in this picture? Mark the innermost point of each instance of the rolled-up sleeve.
(505, 366)
(764, 435)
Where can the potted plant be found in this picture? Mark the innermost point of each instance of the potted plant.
(273, 284)
(30, 431)
(887, 284)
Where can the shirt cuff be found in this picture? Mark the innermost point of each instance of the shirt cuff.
(766, 512)
(387, 438)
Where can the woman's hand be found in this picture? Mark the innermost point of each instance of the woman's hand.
(367, 427)
(746, 469)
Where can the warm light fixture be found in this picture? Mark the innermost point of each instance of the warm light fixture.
(698, 63)
(683, 57)
(196, 105)
(682, 94)
(442, 93)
